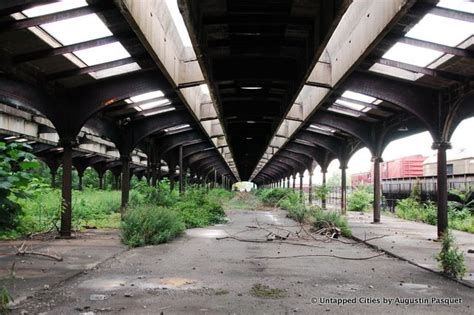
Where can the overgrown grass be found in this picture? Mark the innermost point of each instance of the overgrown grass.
(426, 212)
(41, 211)
(272, 196)
(150, 225)
(170, 212)
(326, 218)
(360, 199)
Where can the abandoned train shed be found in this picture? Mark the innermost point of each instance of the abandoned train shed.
(258, 90)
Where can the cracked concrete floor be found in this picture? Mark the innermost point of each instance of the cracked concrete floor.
(197, 274)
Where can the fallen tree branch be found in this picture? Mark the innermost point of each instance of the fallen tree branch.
(21, 251)
(375, 238)
(265, 241)
(317, 255)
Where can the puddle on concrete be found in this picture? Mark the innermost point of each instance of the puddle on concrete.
(115, 283)
(104, 284)
(419, 287)
(206, 233)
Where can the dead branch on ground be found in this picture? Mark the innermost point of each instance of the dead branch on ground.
(22, 251)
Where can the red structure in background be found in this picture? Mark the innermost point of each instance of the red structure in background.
(409, 166)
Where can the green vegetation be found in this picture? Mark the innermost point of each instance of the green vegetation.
(450, 258)
(157, 215)
(426, 212)
(243, 201)
(150, 225)
(264, 291)
(321, 192)
(271, 197)
(325, 218)
(298, 211)
(16, 164)
(360, 199)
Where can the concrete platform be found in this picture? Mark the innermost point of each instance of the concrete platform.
(35, 273)
(412, 241)
(199, 274)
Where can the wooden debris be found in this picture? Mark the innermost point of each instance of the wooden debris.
(22, 251)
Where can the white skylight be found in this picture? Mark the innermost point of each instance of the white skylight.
(101, 54)
(350, 105)
(154, 104)
(178, 22)
(161, 111)
(413, 55)
(343, 111)
(78, 29)
(146, 96)
(459, 5)
(251, 87)
(115, 71)
(54, 7)
(395, 72)
(175, 128)
(359, 97)
(322, 128)
(442, 30)
(204, 89)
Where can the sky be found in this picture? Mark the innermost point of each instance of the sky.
(412, 145)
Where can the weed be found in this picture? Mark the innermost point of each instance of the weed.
(450, 258)
(324, 219)
(360, 199)
(150, 225)
(264, 291)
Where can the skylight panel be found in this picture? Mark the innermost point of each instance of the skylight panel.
(101, 54)
(442, 30)
(160, 111)
(204, 89)
(178, 22)
(359, 97)
(350, 105)
(322, 128)
(458, 5)
(146, 96)
(343, 111)
(175, 128)
(115, 71)
(54, 7)
(78, 29)
(395, 72)
(154, 104)
(413, 55)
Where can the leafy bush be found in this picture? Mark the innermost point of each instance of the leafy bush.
(197, 208)
(16, 164)
(150, 225)
(450, 258)
(296, 208)
(411, 209)
(271, 197)
(161, 195)
(462, 200)
(360, 199)
(325, 218)
(321, 192)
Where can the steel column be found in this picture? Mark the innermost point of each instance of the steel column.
(66, 205)
(323, 200)
(310, 189)
(442, 187)
(181, 171)
(343, 189)
(377, 189)
(125, 159)
(301, 188)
